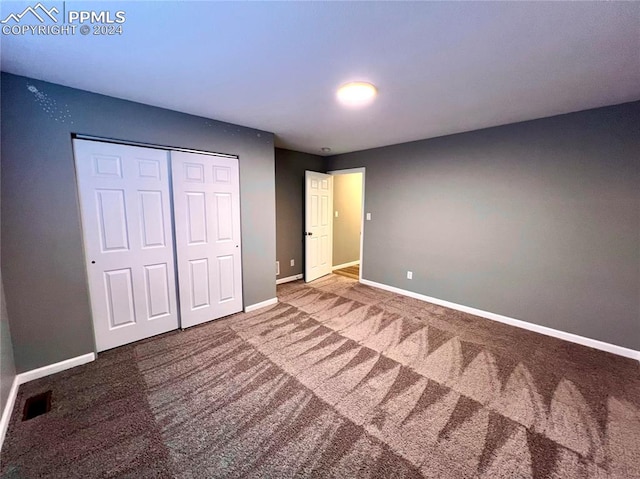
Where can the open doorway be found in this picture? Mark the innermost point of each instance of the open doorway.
(348, 224)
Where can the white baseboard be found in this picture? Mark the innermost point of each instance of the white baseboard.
(263, 304)
(288, 279)
(32, 375)
(574, 338)
(345, 265)
(8, 409)
(55, 368)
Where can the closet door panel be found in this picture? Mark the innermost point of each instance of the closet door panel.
(206, 198)
(128, 244)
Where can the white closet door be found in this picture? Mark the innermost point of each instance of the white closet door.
(126, 218)
(206, 198)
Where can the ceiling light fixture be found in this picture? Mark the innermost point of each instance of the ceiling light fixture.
(356, 94)
(325, 149)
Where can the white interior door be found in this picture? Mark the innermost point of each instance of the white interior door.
(206, 198)
(318, 225)
(126, 218)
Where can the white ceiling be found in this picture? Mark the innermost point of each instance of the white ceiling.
(440, 67)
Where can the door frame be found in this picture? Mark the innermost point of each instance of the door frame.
(349, 171)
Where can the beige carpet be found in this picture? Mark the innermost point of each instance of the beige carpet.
(338, 380)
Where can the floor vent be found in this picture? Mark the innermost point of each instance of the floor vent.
(37, 405)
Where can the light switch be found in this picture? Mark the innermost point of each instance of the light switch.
(336, 214)
(368, 216)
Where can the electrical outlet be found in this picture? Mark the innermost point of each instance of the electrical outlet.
(409, 274)
(293, 262)
(277, 268)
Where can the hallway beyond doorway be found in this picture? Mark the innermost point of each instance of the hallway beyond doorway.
(352, 272)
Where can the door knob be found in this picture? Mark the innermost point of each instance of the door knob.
(308, 234)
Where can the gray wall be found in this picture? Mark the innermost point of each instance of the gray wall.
(538, 220)
(7, 366)
(42, 260)
(347, 201)
(290, 168)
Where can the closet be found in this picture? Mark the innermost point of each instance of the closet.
(161, 236)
